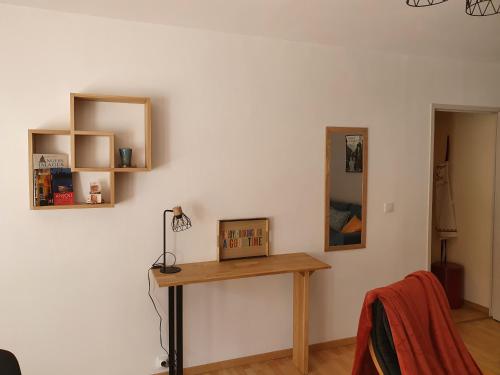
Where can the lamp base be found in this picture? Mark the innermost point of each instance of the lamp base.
(170, 269)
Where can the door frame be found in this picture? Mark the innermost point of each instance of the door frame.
(494, 309)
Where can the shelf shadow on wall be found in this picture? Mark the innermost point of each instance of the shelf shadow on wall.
(160, 131)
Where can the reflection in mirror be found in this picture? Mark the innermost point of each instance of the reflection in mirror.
(345, 194)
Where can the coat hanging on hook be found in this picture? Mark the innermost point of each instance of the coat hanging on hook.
(446, 224)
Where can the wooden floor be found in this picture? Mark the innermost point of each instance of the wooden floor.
(467, 314)
(481, 335)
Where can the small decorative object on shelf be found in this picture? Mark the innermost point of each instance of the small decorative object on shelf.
(180, 222)
(95, 187)
(95, 196)
(125, 157)
(243, 238)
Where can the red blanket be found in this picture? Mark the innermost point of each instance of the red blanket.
(425, 337)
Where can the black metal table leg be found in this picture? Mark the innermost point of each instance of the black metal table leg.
(175, 334)
(179, 330)
(171, 330)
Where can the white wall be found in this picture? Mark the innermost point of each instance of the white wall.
(239, 128)
(472, 173)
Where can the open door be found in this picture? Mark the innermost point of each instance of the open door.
(495, 298)
(488, 292)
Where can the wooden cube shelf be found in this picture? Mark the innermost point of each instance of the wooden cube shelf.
(83, 100)
(81, 134)
(75, 149)
(76, 205)
(44, 141)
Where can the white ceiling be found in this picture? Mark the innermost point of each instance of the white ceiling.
(441, 30)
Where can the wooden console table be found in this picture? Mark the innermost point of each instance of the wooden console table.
(300, 264)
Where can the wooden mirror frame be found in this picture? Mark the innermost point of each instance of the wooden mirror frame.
(346, 131)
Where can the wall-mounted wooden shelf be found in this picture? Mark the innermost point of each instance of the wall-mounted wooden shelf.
(93, 133)
(92, 169)
(106, 169)
(78, 205)
(130, 170)
(84, 112)
(81, 143)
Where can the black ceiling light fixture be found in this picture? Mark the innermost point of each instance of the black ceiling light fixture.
(423, 3)
(472, 7)
(482, 7)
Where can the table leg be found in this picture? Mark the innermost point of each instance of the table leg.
(301, 321)
(171, 330)
(179, 331)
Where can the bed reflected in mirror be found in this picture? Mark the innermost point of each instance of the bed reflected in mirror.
(346, 187)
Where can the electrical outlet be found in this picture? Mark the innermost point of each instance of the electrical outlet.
(158, 368)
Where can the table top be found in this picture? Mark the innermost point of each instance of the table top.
(203, 272)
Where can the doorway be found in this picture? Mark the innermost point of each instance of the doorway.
(469, 137)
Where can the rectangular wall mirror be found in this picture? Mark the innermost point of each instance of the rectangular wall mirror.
(346, 171)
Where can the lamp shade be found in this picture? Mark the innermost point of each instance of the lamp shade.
(424, 3)
(180, 221)
(482, 7)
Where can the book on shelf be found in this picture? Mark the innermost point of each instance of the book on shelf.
(62, 186)
(43, 188)
(52, 180)
(45, 161)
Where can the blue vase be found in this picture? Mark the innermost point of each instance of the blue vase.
(125, 157)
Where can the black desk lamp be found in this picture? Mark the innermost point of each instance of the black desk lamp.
(179, 223)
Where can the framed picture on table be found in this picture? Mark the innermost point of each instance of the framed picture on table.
(242, 238)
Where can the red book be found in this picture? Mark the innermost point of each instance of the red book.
(61, 199)
(62, 186)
